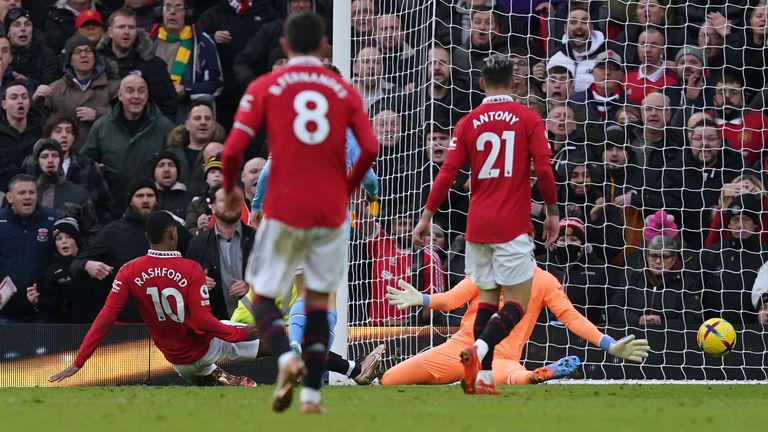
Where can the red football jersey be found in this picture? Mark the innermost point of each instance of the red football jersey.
(747, 134)
(306, 110)
(172, 298)
(499, 138)
(391, 264)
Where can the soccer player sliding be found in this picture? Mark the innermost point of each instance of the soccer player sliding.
(172, 298)
(306, 110)
(438, 365)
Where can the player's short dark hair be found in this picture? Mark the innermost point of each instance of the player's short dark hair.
(304, 32)
(157, 225)
(497, 71)
(56, 119)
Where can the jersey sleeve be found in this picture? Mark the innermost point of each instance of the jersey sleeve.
(248, 120)
(457, 155)
(556, 300)
(366, 140)
(456, 297)
(200, 317)
(541, 153)
(115, 303)
(261, 187)
(370, 181)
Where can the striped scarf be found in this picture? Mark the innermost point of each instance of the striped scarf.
(184, 52)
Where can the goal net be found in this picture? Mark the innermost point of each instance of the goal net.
(654, 114)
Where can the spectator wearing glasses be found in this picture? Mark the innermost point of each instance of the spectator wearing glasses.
(659, 293)
(86, 89)
(191, 56)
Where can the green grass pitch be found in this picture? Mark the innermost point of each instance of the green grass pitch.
(577, 407)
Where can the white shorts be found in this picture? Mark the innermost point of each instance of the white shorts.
(319, 252)
(217, 351)
(490, 265)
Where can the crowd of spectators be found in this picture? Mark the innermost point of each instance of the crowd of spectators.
(655, 112)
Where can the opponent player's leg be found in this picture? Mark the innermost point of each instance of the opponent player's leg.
(271, 267)
(322, 271)
(362, 371)
(435, 366)
(479, 268)
(297, 320)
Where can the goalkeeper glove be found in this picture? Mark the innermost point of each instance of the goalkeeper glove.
(406, 298)
(626, 348)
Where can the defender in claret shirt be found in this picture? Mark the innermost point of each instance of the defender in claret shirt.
(306, 110)
(499, 138)
(172, 298)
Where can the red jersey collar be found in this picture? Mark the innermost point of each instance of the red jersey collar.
(305, 61)
(163, 254)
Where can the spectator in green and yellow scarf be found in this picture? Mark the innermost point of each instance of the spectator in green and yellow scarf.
(191, 56)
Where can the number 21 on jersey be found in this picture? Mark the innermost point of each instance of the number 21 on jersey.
(488, 171)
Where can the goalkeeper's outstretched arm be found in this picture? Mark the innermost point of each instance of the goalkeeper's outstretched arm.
(627, 348)
(454, 298)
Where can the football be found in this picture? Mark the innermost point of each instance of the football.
(716, 337)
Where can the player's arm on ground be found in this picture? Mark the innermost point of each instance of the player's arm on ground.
(116, 300)
(541, 153)
(248, 121)
(366, 140)
(555, 299)
(200, 317)
(408, 296)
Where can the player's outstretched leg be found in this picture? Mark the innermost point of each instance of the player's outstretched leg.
(559, 369)
(361, 371)
(290, 366)
(220, 377)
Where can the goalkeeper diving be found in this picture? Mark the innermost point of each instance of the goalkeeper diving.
(439, 365)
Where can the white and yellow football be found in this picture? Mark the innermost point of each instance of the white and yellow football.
(716, 337)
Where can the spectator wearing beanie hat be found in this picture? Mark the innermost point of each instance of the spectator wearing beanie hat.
(56, 192)
(729, 268)
(172, 195)
(583, 274)
(85, 90)
(659, 292)
(198, 218)
(90, 24)
(31, 58)
(692, 89)
(121, 241)
(59, 295)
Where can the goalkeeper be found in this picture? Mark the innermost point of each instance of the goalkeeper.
(439, 365)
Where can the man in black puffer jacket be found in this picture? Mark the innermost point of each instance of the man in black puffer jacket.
(121, 241)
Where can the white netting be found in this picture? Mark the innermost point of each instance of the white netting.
(648, 106)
